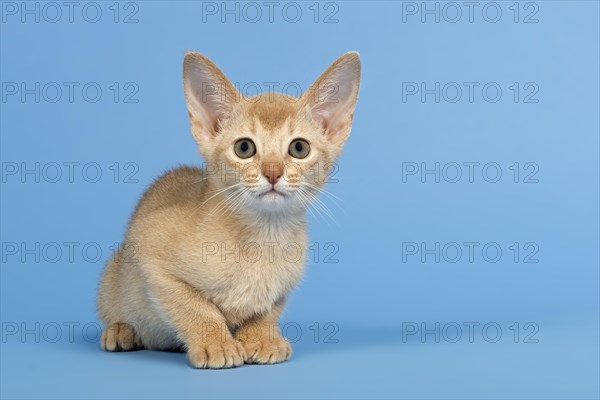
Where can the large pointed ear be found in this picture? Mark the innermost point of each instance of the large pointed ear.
(332, 98)
(209, 95)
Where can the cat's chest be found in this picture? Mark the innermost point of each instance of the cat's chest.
(245, 278)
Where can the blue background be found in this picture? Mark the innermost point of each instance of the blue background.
(371, 295)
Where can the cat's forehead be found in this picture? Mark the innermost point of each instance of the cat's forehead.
(272, 110)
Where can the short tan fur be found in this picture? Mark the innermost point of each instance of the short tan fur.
(202, 266)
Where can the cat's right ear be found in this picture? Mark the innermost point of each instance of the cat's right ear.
(209, 95)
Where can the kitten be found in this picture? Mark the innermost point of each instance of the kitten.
(211, 254)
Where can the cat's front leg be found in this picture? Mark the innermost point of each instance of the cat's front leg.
(262, 339)
(199, 323)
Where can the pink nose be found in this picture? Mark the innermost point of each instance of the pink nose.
(272, 171)
(272, 177)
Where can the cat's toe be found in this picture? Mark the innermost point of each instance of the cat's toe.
(267, 351)
(217, 354)
(120, 337)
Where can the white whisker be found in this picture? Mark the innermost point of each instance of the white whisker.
(219, 191)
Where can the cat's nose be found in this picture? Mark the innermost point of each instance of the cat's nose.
(272, 171)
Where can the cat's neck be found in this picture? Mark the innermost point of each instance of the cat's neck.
(271, 225)
(276, 221)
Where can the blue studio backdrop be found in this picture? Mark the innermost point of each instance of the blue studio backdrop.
(462, 259)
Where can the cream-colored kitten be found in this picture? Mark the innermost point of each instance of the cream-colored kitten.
(211, 254)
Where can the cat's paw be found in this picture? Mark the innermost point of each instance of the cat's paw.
(226, 353)
(120, 337)
(267, 350)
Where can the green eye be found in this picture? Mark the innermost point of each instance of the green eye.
(299, 148)
(244, 148)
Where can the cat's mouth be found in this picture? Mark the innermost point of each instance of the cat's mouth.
(272, 193)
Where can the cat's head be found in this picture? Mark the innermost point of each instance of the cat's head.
(271, 152)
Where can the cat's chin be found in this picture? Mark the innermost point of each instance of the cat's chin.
(275, 201)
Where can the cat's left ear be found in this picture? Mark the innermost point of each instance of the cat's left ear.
(332, 98)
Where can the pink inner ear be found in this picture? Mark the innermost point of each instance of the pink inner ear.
(331, 117)
(321, 117)
(333, 96)
(334, 105)
(205, 124)
(339, 131)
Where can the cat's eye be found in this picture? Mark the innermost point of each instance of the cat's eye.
(299, 148)
(244, 148)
